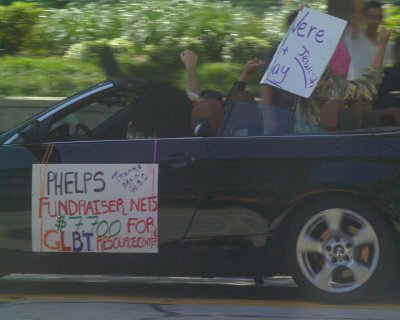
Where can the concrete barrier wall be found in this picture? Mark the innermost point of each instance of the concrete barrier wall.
(14, 110)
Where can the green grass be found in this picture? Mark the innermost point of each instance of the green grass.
(50, 76)
(60, 77)
(221, 76)
(212, 76)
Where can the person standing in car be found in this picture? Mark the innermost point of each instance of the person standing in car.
(364, 44)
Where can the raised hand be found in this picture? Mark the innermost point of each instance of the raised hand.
(250, 68)
(189, 59)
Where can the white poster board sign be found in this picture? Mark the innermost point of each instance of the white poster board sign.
(95, 208)
(305, 52)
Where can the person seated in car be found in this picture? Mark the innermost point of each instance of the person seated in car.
(160, 111)
(190, 59)
(238, 90)
(317, 113)
(207, 113)
(209, 104)
(382, 114)
(273, 96)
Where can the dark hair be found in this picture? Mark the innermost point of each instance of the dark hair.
(212, 94)
(108, 62)
(372, 4)
(291, 17)
(339, 9)
(162, 110)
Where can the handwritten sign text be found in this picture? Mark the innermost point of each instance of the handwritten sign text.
(95, 208)
(304, 53)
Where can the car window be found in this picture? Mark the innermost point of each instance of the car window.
(91, 115)
(83, 123)
(256, 119)
(133, 111)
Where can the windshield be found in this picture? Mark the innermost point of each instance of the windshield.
(64, 103)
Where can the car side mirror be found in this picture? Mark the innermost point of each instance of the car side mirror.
(30, 133)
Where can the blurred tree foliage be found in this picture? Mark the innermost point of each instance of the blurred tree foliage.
(211, 25)
(44, 3)
(258, 7)
(16, 23)
(50, 76)
(393, 18)
(146, 36)
(244, 49)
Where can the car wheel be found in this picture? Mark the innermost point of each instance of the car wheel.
(340, 250)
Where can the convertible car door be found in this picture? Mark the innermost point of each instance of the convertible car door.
(243, 188)
(182, 176)
(182, 173)
(15, 195)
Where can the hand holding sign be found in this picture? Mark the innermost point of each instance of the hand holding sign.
(305, 52)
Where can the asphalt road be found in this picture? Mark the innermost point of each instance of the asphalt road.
(97, 297)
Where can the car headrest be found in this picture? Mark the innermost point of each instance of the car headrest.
(202, 128)
(207, 115)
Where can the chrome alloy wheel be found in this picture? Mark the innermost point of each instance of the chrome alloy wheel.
(337, 250)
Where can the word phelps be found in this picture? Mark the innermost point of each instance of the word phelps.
(60, 183)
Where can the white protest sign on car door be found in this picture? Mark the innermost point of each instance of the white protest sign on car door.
(98, 208)
(305, 52)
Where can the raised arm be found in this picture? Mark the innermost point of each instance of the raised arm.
(190, 59)
(363, 89)
(250, 68)
(380, 55)
(356, 18)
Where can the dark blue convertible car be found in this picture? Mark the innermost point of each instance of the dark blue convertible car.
(149, 189)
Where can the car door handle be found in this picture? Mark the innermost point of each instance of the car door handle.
(179, 160)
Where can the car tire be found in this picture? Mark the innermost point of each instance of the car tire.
(340, 250)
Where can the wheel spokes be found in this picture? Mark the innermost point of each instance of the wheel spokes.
(333, 219)
(361, 273)
(323, 279)
(308, 244)
(364, 236)
(337, 250)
